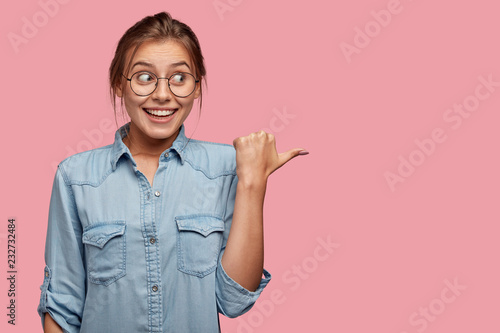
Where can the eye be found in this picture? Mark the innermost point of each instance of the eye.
(144, 77)
(178, 79)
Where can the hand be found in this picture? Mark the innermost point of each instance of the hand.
(257, 158)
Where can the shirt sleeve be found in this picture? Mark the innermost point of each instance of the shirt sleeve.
(234, 300)
(63, 288)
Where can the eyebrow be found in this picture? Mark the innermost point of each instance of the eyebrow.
(147, 64)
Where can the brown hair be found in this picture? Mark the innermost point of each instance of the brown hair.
(159, 27)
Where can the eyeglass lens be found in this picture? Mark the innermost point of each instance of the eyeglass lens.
(180, 84)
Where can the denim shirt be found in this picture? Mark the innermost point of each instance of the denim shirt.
(124, 256)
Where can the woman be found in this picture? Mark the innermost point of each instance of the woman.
(157, 232)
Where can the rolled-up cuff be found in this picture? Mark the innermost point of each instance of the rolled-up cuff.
(233, 300)
(48, 304)
(42, 306)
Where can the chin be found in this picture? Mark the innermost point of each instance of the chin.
(162, 134)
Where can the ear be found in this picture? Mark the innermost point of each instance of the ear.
(119, 91)
(197, 91)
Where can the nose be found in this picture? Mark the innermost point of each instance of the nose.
(162, 91)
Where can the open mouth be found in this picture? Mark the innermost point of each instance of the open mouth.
(160, 113)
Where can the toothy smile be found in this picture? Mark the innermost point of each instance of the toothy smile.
(160, 113)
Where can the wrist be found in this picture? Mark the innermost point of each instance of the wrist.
(252, 183)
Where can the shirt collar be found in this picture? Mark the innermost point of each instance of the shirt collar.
(119, 148)
(180, 144)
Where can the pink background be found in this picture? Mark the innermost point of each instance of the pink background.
(358, 112)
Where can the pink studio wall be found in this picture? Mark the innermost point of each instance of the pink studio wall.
(390, 225)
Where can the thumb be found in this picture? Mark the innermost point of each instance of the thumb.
(288, 155)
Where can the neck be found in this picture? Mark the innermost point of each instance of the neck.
(139, 143)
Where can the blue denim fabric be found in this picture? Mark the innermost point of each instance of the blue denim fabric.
(122, 256)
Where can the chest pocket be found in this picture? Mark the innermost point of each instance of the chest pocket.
(105, 251)
(199, 242)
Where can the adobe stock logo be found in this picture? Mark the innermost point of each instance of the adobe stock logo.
(30, 26)
(293, 278)
(95, 138)
(223, 6)
(279, 121)
(455, 116)
(363, 36)
(425, 315)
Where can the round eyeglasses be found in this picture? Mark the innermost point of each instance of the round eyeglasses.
(144, 83)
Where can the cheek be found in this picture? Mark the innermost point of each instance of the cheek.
(187, 106)
(132, 103)
(133, 97)
(186, 103)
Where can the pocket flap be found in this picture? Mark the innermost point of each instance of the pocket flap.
(201, 224)
(98, 235)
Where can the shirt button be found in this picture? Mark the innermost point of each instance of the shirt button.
(166, 154)
(157, 193)
(152, 240)
(47, 274)
(155, 288)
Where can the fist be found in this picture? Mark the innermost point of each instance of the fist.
(257, 158)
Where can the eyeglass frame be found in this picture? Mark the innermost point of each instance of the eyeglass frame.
(163, 78)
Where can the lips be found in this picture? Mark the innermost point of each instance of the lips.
(160, 112)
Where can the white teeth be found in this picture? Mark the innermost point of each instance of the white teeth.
(160, 112)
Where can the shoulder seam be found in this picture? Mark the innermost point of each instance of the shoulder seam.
(217, 175)
(97, 183)
(226, 151)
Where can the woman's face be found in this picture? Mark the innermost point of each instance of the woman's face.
(163, 59)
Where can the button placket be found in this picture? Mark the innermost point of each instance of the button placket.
(153, 272)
